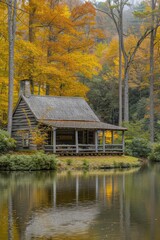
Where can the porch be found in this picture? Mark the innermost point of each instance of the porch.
(85, 142)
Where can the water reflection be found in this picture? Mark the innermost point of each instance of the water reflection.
(104, 205)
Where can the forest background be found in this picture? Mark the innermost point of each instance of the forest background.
(107, 52)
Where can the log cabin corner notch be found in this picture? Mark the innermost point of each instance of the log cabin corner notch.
(72, 126)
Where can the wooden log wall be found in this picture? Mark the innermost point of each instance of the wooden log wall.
(65, 136)
(23, 120)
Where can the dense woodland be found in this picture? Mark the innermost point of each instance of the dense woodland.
(107, 52)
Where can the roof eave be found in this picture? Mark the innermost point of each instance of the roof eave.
(92, 128)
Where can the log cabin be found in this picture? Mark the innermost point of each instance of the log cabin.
(71, 126)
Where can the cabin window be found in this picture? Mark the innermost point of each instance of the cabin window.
(26, 140)
(65, 136)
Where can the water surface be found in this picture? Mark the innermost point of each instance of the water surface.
(110, 205)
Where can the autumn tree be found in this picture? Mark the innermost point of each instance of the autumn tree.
(151, 15)
(12, 11)
(3, 64)
(54, 47)
(114, 9)
(62, 47)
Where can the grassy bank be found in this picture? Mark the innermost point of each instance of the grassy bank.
(41, 161)
(97, 162)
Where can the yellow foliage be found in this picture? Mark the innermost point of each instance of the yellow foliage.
(60, 53)
(38, 137)
(100, 48)
(108, 136)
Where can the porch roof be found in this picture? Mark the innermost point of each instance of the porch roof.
(83, 125)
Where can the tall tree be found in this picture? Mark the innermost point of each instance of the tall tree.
(31, 34)
(152, 46)
(152, 17)
(114, 9)
(12, 11)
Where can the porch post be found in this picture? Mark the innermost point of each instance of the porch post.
(54, 140)
(104, 142)
(76, 138)
(96, 141)
(123, 142)
(112, 137)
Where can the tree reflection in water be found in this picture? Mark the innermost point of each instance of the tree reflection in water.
(97, 205)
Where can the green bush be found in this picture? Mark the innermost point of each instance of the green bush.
(136, 128)
(128, 147)
(155, 154)
(85, 165)
(37, 161)
(138, 147)
(69, 162)
(6, 143)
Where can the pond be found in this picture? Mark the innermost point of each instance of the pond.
(110, 205)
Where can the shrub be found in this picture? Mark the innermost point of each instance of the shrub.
(136, 128)
(155, 154)
(128, 147)
(85, 165)
(37, 161)
(138, 147)
(69, 162)
(6, 143)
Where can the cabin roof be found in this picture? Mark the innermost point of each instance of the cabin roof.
(60, 108)
(66, 112)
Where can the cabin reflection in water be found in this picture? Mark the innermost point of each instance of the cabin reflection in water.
(63, 206)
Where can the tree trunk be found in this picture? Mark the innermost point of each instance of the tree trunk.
(120, 74)
(31, 37)
(151, 95)
(11, 36)
(126, 94)
(32, 9)
(49, 50)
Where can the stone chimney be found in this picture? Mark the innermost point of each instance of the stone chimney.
(25, 87)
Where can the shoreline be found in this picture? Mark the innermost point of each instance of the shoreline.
(40, 161)
(97, 162)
